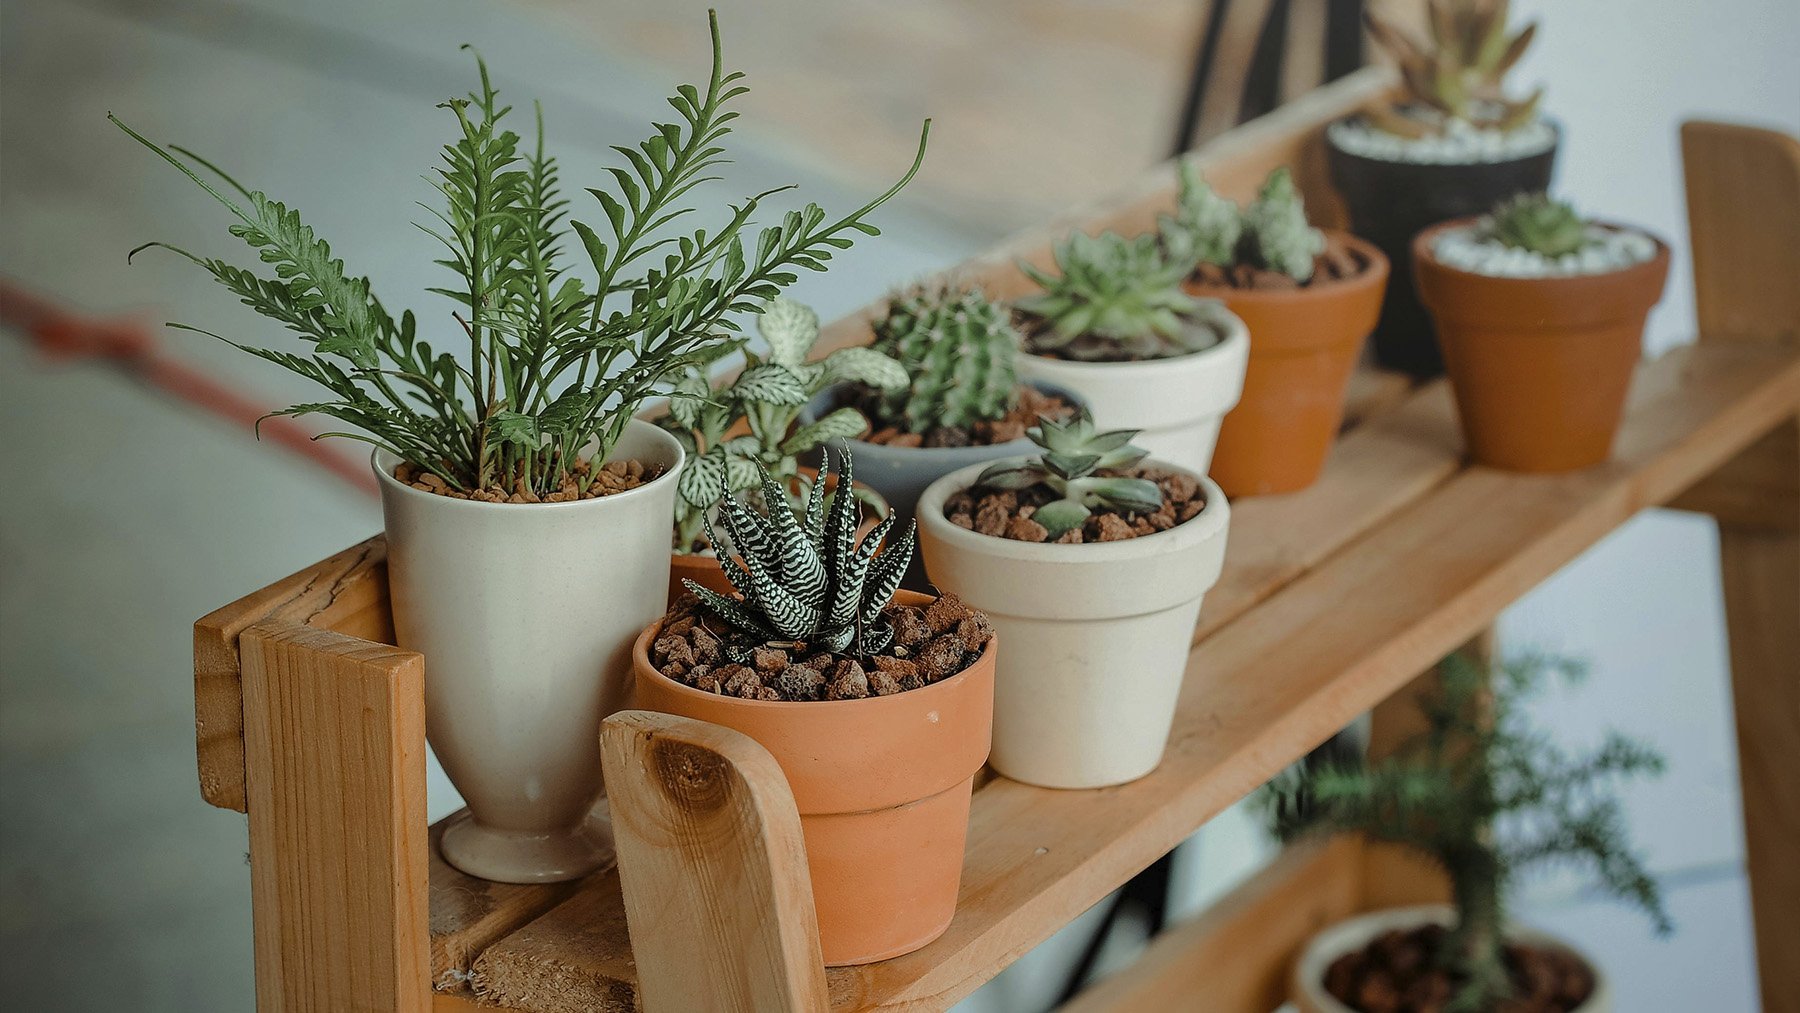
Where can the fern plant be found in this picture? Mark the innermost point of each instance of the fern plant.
(554, 365)
(806, 579)
(1116, 299)
(1485, 797)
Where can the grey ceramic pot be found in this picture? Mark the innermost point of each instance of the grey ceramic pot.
(900, 474)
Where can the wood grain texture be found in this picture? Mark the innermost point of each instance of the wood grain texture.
(468, 914)
(1743, 203)
(335, 742)
(346, 593)
(713, 868)
(574, 959)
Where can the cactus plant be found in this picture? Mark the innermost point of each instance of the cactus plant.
(1535, 222)
(1459, 74)
(1272, 233)
(1205, 224)
(806, 579)
(1073, 454)
(1117, 299)
(1279, 237)
(957, 346)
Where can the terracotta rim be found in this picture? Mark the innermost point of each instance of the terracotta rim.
(1374, 273)
(1423, 253)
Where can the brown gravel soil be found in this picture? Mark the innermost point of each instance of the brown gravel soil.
(930, 644)
(1028, 405)
(1393, 974)
(1338, 263)
(615, 476)
(1007, 514)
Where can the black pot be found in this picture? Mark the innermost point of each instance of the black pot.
(1391, 202)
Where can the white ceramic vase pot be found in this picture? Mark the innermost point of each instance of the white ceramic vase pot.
(525, 614)
(1178, 402)
(1097, 635)
(1352, 934)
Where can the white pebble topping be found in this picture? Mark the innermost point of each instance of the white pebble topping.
(1462, 143)
(1473, 249)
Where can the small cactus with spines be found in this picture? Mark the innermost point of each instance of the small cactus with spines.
(1458, 74)
(1116, 299)
(958, 348)
(1073, 454)
(1535, 222)
(805, 579)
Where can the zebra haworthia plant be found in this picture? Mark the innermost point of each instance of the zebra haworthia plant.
(806, 579)
(1073, 453)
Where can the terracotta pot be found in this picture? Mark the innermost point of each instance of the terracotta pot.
(1304, 343)
(1389, 202)
(883, 787)
(1352, 934)
(1540, 366)
(703, 567)
(1097, 635)
(525, 614)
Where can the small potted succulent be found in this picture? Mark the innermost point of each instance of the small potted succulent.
(1483, 797)
(1450, 144)
(1308, 297)
(1091, 562)
(1541, 316)
(878, 706)
(755, 424)
(526, 510)
(962, 403)
(1114, 326)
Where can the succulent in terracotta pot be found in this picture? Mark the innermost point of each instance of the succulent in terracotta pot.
(1309, 299)
(503, 425)
(1541, 316)
(1114, 325)
(1091, 560)
(1449, 143)
(877, 705)
(1485, 798)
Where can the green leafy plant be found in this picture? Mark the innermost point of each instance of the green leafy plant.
(957, 347)
(1116, 299)
(555, 366)
(1073, 453)
(1485, 797)
(1533, 221)
(1271, 234)
(1459, 74)
(767, 398)
(806, 579)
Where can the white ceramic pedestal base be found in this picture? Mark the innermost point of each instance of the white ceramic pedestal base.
(524, 856)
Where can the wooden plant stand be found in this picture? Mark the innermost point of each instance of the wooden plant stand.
(1332, 600)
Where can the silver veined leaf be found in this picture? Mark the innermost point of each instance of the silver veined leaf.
(866, 365)
(790, 328)
(770, 383)
(842, 424)
(701, 477)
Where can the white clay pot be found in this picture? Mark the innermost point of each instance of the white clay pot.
(1178, 403)
(1353, 934)
(1096, 635)
(526, 613)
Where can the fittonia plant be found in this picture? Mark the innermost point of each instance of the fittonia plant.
(555, 366)
(1272, 233)
(1115, 299)
(1459, 74)
(957, 346)
(806, 579)
(767, 397)
(1537, 223)
(1073, 454)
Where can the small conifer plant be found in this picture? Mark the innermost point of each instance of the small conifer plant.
(1485, 797)
(957, 347)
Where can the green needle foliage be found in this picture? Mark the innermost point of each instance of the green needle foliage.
(555, 365)
(1485, 797)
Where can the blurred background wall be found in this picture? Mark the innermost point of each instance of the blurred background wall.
(124, 514)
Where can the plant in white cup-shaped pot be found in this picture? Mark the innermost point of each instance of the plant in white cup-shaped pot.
(1091, 562)
(1483, 797)
(526, 510)
(1115, 327)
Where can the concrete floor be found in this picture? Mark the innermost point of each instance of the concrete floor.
(123, 515)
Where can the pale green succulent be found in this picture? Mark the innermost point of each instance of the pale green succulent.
(1535, 222)
(1279, 237)
(1073, 452)
(1272, 233)
(1116, 299)
(1209, 225)
(958, 348)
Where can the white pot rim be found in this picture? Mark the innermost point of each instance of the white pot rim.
(1209, 523)
(1151, 370)
(383, 462)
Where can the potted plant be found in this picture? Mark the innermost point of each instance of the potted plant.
(1309, 299)
(1115, 327)
(753, 424)
(1541, 316)
(1484, 797)
(962, 402)
(1449, 144)
(526, 510)
(1091, 561)
(876, 705)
